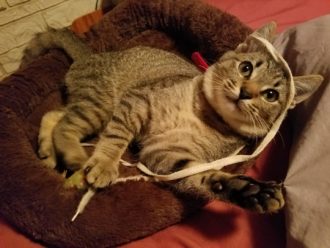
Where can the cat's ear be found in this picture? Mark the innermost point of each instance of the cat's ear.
(306, 86)
(267, 31)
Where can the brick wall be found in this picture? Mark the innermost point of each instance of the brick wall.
(20, 19)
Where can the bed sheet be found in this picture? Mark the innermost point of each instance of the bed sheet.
(220, 224)
(286, 13)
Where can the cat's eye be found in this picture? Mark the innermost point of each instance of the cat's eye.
(245, 68)
(270, 95)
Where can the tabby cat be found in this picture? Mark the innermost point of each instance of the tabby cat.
(179, 116)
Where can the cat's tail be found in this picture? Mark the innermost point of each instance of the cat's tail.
(55, 38)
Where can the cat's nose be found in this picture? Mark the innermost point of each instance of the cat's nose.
(244, 94)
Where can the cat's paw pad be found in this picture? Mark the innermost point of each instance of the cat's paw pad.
(262, 197)
(100, 173)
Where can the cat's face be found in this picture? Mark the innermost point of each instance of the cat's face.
(250, 87)
(248, 90)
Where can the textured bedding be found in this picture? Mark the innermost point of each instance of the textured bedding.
(220, 224)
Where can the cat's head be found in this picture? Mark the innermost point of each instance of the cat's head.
(249, 88)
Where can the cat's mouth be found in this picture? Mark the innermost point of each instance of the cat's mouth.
(233, 99)
(238, 113)
(239, 109)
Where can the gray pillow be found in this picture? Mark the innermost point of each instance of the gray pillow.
(306, 47)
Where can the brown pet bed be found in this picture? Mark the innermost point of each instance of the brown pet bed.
(32, 198)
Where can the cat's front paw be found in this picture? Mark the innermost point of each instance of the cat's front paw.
(262, 197)
(100, 172)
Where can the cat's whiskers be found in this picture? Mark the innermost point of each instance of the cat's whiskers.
(224, 87)
(263, 124)
(255, 124)
(282, 138)
(256, 113)
(224, 81)
(215, 75)
(258, 123)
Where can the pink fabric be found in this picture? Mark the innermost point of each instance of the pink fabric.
(10, 238)
(219, 225)
(286, 13)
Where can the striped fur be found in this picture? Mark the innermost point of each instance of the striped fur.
(179, 117)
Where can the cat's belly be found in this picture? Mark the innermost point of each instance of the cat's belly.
(163, 151)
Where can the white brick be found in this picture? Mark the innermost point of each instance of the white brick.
(63, 14)
(3, 6)
(15, 2)
(21, 19)
(11, 60)
(26, 9)
(18, 33)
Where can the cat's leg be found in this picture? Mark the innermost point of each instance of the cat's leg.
(237, 189)
(102, 167)
(261, 197)
(46, 149)
(79, 121)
